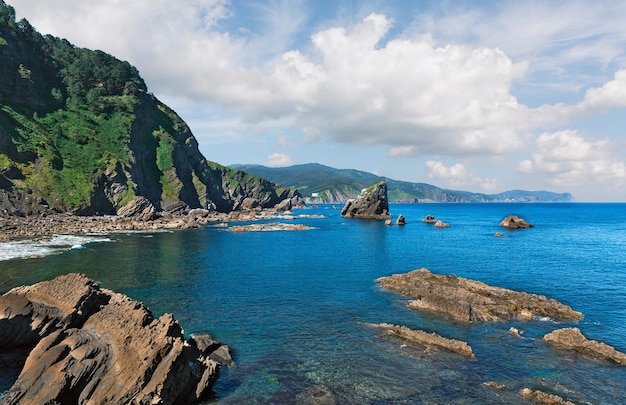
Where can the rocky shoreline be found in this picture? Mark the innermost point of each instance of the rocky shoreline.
(44, 226)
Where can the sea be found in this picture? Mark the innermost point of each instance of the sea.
(294, 306)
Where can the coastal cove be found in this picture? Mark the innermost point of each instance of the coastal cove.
(294, 305)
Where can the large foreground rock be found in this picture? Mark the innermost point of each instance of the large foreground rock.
(91, 345)
(472, 301)
(372, 203)
(573, 339)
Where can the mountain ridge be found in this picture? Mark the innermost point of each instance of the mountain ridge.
(324, 184)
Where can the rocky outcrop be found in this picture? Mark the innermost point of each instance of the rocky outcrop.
(429, 219)
(541, 397)
(573, 339)
(372, 203)
(272, 226)
(91, 345)
(472, 301)
(515, 222)
(440, 224)
(401, 220)
(425, 340)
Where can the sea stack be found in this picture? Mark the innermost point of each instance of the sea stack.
(372, 203)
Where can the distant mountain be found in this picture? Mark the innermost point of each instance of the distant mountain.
(323, 184)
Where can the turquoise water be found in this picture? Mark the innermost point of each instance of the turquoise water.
(292, 304)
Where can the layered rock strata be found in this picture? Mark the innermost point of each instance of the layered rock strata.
(422, 339)
(472, 301)
(573, 339)
(91, 345)
(372, 203)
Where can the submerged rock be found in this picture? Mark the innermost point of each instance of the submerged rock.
(427, 340)
(372, 203)
(91, 345)
(573, 339)
(515, 222)
(472, 301)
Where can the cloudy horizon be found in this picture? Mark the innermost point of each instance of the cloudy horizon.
(477, 96)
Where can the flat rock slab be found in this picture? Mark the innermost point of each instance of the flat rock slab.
(424, 339)
(573, 339)
(473, 301)
(92, 345)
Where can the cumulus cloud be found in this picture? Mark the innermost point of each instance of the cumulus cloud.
(442, 88)
(568, 159)
(278, 160)
(458, 175)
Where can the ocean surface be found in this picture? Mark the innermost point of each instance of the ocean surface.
(293, 304)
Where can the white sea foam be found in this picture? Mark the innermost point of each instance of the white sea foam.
(25, 249)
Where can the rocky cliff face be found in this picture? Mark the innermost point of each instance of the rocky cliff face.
(372, 203)
(91, 345)
(79, 132)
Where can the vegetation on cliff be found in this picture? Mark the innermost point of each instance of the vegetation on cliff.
(80, 132)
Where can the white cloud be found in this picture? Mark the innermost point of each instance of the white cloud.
(457, 175)
(568, 159)
(402, 151)
(283, 141)
(278, 160)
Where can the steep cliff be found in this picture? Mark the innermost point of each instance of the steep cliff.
(80, 132)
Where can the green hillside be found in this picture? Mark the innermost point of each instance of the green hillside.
(80, 132)
(323, 184)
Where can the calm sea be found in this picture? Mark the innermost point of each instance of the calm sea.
(292, 304)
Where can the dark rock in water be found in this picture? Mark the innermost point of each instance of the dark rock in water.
(430, 219)
(317, 395)
(515, 222)
(372, 203)
(573, 339)
(472, 301)
(92, 345)
(401, 220)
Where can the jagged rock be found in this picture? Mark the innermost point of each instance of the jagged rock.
(427, 340)
(573, 339)
(543, 397)
(140, 208)
(92, 345)
(515, 222)
(440, 224)
(401, 220)
(472, 301)
(430, 219)
(372, 203)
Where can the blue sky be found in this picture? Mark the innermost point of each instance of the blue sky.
(482, 96)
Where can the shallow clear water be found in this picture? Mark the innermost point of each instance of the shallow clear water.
(292, 304)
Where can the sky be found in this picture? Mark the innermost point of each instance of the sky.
(482, 96)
